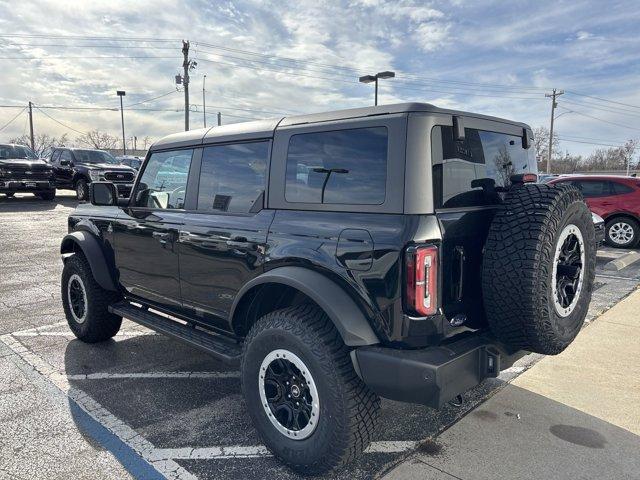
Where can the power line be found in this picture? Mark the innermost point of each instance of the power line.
(602, 99)
(151, 99)
(602, 108)
(589, 143)
(59, 122)
(601, 120)
(11, 121)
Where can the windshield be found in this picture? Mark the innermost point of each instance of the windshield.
(94, 156)
(16, 151)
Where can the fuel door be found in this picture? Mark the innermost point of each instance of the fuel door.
(354, 250)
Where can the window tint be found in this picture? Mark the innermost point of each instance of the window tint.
(164, 181)
(342, 166)
(232, 177)
(66, 155)
(592, 188)
(465, 173)
(55, 157)
(620, 188)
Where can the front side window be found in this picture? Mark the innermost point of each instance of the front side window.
(467, 172)
(338, 167)
(592, 188)
(66, 155)
(232, 177)
(164, 181)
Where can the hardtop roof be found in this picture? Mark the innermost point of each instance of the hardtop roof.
(264, 128)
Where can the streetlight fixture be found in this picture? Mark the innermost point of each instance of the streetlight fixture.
(374, 78)
(122, 93)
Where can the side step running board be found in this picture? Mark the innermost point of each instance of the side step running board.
(224, 349)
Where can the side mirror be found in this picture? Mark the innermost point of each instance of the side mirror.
(65, 163)
(103, 194)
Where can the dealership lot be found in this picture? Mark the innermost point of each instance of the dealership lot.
(162, 408)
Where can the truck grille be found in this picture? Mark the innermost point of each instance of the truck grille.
(124, 177)
(23, 172)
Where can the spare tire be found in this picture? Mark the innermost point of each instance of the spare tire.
(538, 267)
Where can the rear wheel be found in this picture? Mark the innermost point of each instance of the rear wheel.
(622, 232)
(10, 194)
(307, 402)
(86, 303)
(539, 267)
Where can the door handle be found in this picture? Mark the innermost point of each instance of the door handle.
(161, 237)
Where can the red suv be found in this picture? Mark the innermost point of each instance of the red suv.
(617, 200)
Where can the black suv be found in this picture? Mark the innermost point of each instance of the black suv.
(22, 171)
(394, 251)
(76, 168)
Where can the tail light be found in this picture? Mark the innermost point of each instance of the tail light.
(421, 283)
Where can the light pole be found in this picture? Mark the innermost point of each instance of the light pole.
(122, 93)
(204, 104)
(374, 78)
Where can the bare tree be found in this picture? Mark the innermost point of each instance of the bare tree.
(146, 141)
(98, 139)
(504, 165)
(614, 158)
(541, 144)
(43, 142)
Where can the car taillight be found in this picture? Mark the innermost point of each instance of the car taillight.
(421, 289)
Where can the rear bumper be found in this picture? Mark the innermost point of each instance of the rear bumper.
(432, 376)
(26, 185)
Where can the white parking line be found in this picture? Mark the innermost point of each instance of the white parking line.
(70, 334)
(124, 432)
(117, 376)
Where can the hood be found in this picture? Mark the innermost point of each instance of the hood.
(27, 162)
(109, 166)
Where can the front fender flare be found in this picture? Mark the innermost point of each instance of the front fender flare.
(94, 253)
(348, 319)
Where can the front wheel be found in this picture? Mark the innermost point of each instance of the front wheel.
(10, 194)
(82, 189)
(86, 304)
(306, 401)
(622, 232)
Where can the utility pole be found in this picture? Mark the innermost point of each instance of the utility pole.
(204, 102)
(185, 82)
(135, 142)
(33, 147)
(122, 93)
(554, 104)
(219, 118)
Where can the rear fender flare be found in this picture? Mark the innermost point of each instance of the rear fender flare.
(349, 320)
(92, 249)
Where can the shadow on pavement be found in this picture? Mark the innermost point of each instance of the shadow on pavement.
(518, 434)
(209, 410)
(31, 203)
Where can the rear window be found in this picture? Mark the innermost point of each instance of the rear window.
(592, 188)
(465, 173)
(338, 167)
(620, 188)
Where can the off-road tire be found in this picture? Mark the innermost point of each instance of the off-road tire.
(82, 189)
(518, 264)
(632, 224)
(99, 324)
(348, 409)
(47, 195)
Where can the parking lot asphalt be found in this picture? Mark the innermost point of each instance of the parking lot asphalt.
(146, 406)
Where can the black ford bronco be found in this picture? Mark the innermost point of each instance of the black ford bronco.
(396, 251)
(76, 168)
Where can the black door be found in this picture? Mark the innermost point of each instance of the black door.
(146, 232)
(221, 243)
(63, 169)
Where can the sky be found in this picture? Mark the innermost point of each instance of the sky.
(278, 58)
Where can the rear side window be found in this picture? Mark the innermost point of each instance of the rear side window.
(466, 173)
(620, 188)
(338, 167)
(232, 177)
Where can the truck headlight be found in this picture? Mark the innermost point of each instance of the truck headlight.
(95, 175)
